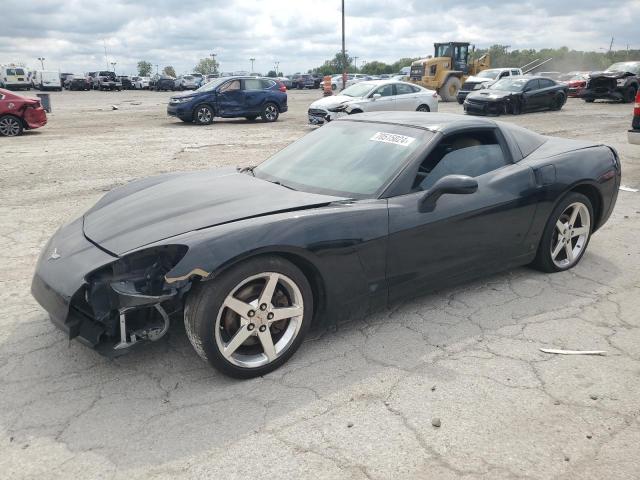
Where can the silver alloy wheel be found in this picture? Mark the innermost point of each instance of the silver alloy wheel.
(9, 127)
(570, 235)
(204, 115)
(255, 330)
(271, 112)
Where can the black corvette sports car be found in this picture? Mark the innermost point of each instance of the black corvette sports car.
(517, 95)
(365, 211)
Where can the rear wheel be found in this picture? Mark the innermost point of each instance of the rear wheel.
(566, 234)
(203, 114)
(10, 126)
(450, 89)
(252, 318)
(423, 108)
(270, 112)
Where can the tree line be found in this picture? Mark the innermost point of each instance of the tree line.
(205, 66)
(563, 60)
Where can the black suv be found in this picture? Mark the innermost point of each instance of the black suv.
(621, 81)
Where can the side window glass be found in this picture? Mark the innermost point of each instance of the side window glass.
(533, 85)
(515, 72)
(385, 90)
(472, 154)
(252, 84)
(266, 84)
(230, 86)
(504, 74)
(402, 89)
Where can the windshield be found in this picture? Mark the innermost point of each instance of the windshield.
(510, 84)
(631, 67)
(207, 87)
(345, 158)
(492, 74)
(360, 89)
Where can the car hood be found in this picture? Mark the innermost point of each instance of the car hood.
(157, 208)
(333, 101)
(473, 79)
(610, 74)
(491, 95)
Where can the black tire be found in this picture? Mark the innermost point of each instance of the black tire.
(558, 102)
(460, 101)
(10, 126)
(423, 108)
(251, 117)
(270, 112)
(450, 89)
(550, 237)
(207, 320)
(629, 94)
(203, 114)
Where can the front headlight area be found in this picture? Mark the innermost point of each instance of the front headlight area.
(176, 100)
(130, 299)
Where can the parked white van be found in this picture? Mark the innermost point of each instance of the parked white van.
(13, 77)
(47, 80)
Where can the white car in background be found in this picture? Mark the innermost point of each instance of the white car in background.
(373, 96)
(357, 78)
(140, 83)
(187, 82)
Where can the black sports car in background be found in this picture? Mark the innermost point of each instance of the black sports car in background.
(621, 81)
(517, 95)
(367, 210)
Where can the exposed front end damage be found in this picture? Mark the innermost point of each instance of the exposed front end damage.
(122, 302)
(620, 86)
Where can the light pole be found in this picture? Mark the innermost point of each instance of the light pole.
(113, 65)
(252, 60)
(277, 65)
(355, 63)
(215, 66)
(344, 56)
(157, 71)
(41, 62)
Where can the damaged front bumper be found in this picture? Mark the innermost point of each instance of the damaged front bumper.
(107, 302)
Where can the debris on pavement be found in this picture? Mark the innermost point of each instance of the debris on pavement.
(113, 107)
(436, 422)
(593, 396)
(573, 352)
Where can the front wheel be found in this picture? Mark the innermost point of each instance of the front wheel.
(423, 108)
(629, 95)
(449, 91)
(566, 234)
(558, 102)
(10, 126)
(203, 115)
(252, 318)
(270, 112)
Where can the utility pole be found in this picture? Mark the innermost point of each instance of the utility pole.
(252, 60)
(277, 65)
(104, 42)
(42, 61)
(611, 45)
(344, 56)
(355, 63)
(113, 65)
(215, 65)
(157, 71)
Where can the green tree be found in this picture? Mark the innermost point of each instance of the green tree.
(169, 71)
(272, 73)
(144, 68)
(206, 66)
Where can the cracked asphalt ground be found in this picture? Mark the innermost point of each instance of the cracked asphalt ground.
(357, 403)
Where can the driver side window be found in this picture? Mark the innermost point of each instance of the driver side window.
(230, 86)
(385, 90)
(474, 153)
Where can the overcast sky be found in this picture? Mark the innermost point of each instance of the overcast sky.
(300, 34)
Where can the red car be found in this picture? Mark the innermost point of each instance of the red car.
(18, 113)
(576, 81)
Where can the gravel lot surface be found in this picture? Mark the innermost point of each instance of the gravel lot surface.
(358, 403)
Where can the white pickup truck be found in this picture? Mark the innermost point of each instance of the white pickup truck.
(483, 80)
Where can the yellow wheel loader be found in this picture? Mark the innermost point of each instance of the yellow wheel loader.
(448, 69)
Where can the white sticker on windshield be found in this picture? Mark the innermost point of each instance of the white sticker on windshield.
(392, 138)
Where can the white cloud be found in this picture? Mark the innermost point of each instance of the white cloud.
(300, 34)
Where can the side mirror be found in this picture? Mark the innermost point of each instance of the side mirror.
(452, 184)
(375, 96)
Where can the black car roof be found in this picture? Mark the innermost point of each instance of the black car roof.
(435, 122)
